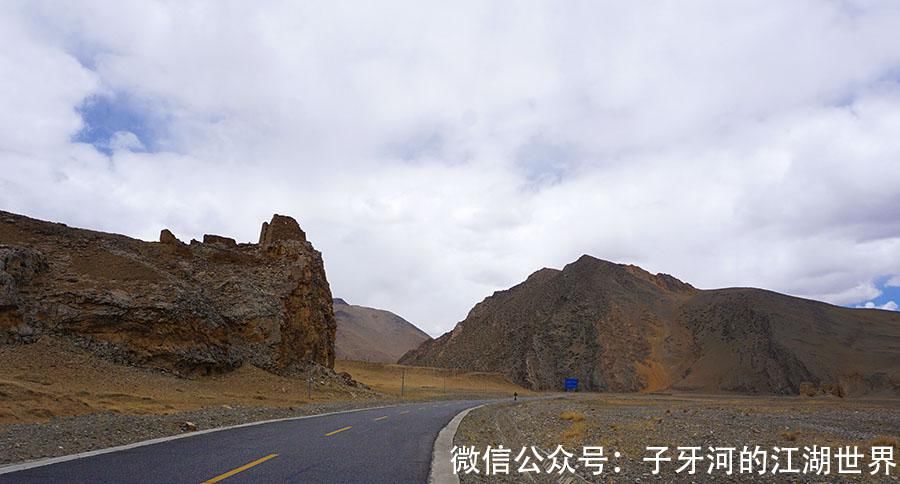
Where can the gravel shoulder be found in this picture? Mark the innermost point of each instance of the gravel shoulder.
(628, 424)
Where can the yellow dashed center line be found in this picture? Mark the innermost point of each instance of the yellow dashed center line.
(381, 418)
(329, 434)
(242, 468)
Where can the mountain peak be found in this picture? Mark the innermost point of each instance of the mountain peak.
(590, 264)
(617, 327)
(370, 334)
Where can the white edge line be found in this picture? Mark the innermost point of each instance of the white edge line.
(9, 468)
(441, 468)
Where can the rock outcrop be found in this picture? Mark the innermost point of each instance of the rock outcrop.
(226, 242)
(369, 334)
(620, 328)
(190, 309)
(281, 228)
(167, 237)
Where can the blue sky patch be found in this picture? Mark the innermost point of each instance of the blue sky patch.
(108, 119)
(888, 293)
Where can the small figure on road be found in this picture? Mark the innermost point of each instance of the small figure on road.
(515, 396)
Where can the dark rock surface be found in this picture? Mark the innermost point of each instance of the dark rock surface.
(619, 328)
(190, 309)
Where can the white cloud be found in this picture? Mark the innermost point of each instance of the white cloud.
(436, 153)
(894, 281)
(889, 306)
(125, 140)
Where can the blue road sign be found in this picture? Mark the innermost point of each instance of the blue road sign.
(571, 384)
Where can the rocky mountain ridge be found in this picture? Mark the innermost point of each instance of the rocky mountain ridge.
(619, 328)
(189, 308)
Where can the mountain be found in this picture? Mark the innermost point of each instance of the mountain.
(619, 328)
(369, 334)
(198, 308)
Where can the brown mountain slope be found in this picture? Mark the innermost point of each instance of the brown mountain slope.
(368, 334)
(620, 328)
(202, 307)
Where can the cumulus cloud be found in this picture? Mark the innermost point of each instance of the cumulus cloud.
(889, 306)
(125, 140)
(436, 153)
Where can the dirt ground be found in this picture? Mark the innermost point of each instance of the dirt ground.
(628, 424)
(56, 398)
(54, 378)
(423, 382)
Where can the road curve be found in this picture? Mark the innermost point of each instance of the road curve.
(390, 445)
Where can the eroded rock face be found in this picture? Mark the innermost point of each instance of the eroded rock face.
(18, 266)
(620, 328)
(191, 309)
(167, 237)
(281, 228)
(226, 242)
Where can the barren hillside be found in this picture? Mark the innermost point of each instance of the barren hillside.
(619, 328)
(369, 334)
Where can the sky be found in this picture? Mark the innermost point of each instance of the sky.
(436, 152)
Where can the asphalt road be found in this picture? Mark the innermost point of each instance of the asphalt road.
(375, 445)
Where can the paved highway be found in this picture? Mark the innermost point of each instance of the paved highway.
(391, 444)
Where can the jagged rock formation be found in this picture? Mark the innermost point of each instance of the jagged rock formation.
(369, 334)
(620, 328)
(279, 229)
(194, 308)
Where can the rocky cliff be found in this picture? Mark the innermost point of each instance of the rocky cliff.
(619, 328)
(369, 334)
(196, 308)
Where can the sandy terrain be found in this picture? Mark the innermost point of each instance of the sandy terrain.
(630, 423)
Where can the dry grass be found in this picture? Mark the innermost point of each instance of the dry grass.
(54, 378)
(423, 382)
(577, 430)
(884, 441)
(789, 435)
(575, 433)
(572, 416)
